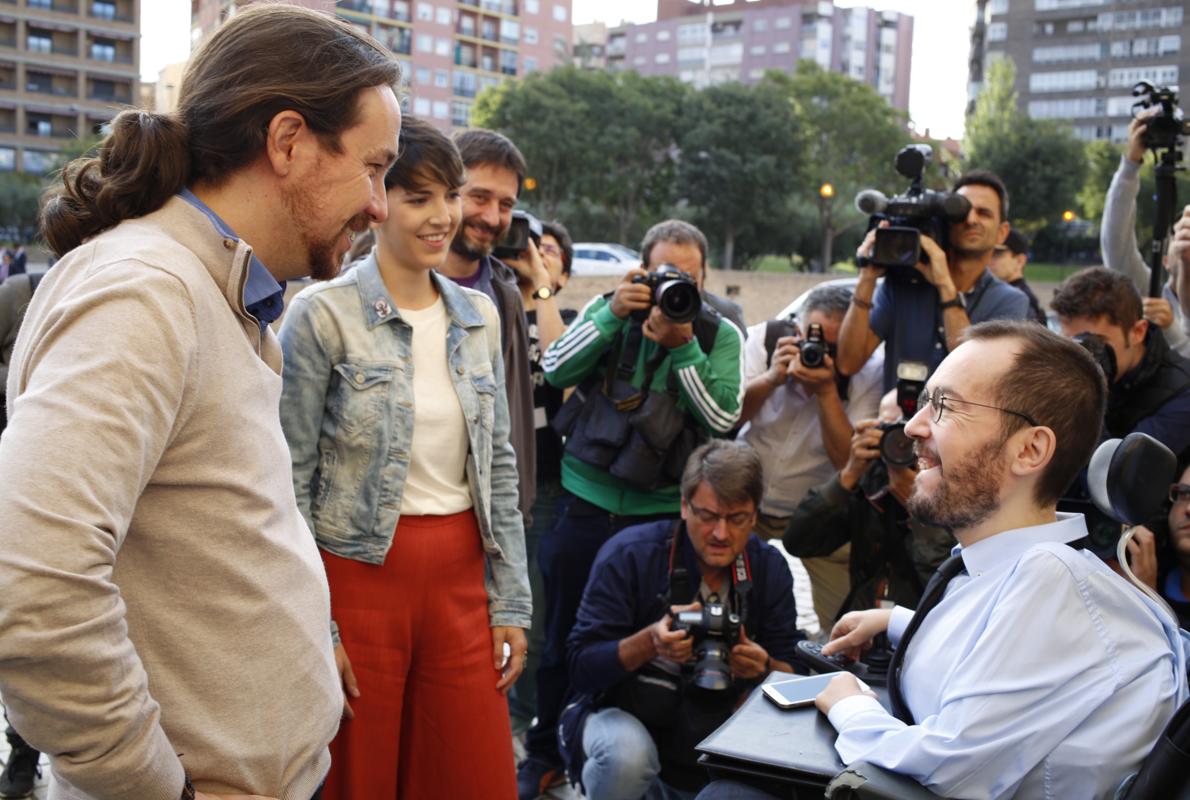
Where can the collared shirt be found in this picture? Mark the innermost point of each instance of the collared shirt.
(787, 434)
(906, 315)
(264, 297)
(1040, 674)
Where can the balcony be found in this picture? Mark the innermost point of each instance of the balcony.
(58, 90)
(124, 98)
(60, 6)
(110, 12)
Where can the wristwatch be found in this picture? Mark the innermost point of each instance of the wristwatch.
(958, 301)
(544, 293)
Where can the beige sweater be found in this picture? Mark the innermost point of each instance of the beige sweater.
(162, 602)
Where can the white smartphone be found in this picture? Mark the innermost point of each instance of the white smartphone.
(797, 692)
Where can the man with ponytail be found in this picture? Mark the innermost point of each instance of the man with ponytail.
(165, 630)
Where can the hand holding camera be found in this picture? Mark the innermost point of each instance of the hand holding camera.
(668, 643)
(665, 332)
(631, 295)
(784, 355)
(814, 368)
(748, 659)
(865, 448)
(529, 266)
(1136, 136)
(936, 269)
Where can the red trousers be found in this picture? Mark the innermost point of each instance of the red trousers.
(429, 723)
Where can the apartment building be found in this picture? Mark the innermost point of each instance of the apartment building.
(449, 50)
(66, 68)
(706, 42)
(1077, 60)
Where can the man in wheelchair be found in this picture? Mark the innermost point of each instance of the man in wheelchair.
(1029, 669)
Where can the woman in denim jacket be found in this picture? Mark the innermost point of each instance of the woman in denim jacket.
(397, 421)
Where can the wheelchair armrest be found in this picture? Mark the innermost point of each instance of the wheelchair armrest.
(864, 781)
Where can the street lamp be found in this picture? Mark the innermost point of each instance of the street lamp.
(826, 193)
(1067, 218)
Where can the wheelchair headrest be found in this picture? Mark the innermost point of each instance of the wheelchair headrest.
(1129, 478)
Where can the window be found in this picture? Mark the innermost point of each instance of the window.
(38, 42)
(781, 47)
(998, 7)
(663, 36)
(1068, 108)
(38, 161)
(642, 37)
(441, 78)
(442, 47)
(784, 23)
(102, 50)
(1071, 81)
(530, 64)
(761, 24)
(997, 31)
(510, 31)
(103, 10)
(532, 7)
(40, 4)
(508, 62)
(460, 114)
(423, 76)
(421, 106)
(688, 54)
(464, 84)
(530, 35)
(758, 50)
(560, 13)
(692, 33)
(8, 159)
(425, 43)
(40, 125)
(639, 61)
(443, 16)
(732, 53)
(755, 74)
(1070, 52)
(441, 109)
(1128, 77)
(661, 58)
(425, 12)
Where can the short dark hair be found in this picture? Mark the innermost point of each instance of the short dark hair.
(562, 236)
(674, 231)
(1016, 243)
(1055, 381)
(830, 300)
(983, 177)
(425, 153)
(480, 146)
(1099, 292)
(731, 468)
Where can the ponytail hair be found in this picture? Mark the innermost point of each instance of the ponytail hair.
(143, 161)
(266, 59)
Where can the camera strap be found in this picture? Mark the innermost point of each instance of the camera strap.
(681, 586)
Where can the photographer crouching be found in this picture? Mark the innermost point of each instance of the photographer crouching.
(679, 621)
(928, 297)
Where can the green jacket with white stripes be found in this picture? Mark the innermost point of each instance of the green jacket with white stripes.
(710, 386)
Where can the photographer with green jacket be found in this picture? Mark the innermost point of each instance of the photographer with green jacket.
(626, 444)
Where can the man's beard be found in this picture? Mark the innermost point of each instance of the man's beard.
(321, 259)
(471, 250)
(967, 494)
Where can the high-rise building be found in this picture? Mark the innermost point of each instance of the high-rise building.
(704, 43)
(1077, 60)
(66, 68)
(449, 50)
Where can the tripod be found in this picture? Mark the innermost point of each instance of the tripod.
(1167, 200)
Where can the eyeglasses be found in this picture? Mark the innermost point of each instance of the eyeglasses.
(551, 250)
(1179, 493)
(737, 519)
(938, 402)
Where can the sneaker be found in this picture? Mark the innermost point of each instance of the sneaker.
(20, 771)
(535, 777)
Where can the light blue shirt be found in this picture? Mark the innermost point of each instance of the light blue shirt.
(1040, 674)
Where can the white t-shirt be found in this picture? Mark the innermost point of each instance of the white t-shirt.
(437, 479)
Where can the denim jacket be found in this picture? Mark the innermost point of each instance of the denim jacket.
(347, 413)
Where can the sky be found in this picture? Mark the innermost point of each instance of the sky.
(938, 74)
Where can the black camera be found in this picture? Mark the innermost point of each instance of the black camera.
(715, 630)
(910, 215)
(515, 242)
(1165, 129)
(896, 448)
(813, 349)
(1101, 351)
(674, 292)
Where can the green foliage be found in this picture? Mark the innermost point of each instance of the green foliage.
(1103, 158)
(19, 197)
(1041, 162)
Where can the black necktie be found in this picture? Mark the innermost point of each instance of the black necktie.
(930, 597)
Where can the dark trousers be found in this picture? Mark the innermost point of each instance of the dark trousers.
(565, 555)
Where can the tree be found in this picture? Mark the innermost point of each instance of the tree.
(20, 195)
(1041, 162)
(740, 160)
(851, 137)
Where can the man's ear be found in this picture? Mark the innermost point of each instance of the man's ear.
(1033, 450)
(287, 131)
(1005, 229)
(1137, 334)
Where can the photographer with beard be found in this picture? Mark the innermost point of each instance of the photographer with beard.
(1029, 668)
(921, 317)
(892, 555)
(1148, 383)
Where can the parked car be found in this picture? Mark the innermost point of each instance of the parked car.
(602, 258)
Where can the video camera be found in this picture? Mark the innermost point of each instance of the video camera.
(715, 630)
(674, 292)
(524, 226)
(1164, 129)
(896, 449)
(918, 211)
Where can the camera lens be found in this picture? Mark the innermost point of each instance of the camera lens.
(678, 300)
(712, 670)
(812, 354)
(895, 447)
